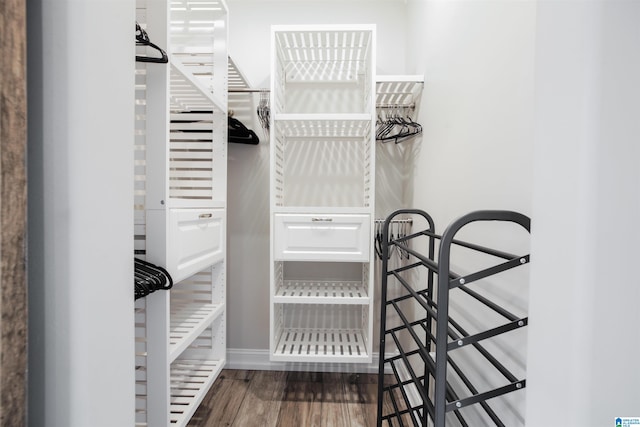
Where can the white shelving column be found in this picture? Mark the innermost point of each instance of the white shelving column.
(322, 193)
(181, 169)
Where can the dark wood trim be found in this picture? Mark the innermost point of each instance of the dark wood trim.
(13, 213)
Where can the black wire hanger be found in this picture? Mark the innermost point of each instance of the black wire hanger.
(149, 278)
(396, 126)
(142, 39)
(237, 132)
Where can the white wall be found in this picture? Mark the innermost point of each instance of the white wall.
(476, 151)
(80, 162)
(584, 339)
(496, 134)
(477, 57)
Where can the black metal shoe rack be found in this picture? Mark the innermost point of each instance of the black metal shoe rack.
(429, 380)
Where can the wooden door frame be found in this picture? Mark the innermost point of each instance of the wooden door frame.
(13, 213)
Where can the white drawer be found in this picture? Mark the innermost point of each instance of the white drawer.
(195, 241)
(306, 237)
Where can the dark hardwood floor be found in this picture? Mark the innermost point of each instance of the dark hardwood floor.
(289, 399)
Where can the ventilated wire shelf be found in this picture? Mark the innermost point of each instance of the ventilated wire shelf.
(399, 91)
(321, 343)
(190, 381)
(321, 333)
(324, 126)
(338, 55)
(313, 292)
(188, 321)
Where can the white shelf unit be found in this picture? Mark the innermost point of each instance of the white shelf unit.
(321, 292)
(181, 169)
(399, 90)
(322, 192)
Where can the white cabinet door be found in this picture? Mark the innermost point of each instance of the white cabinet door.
(308, 237)
(195, 240)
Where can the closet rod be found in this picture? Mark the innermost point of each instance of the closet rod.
(411, 106)
(248, 90)
(395, 221)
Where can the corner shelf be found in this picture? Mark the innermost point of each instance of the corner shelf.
(398, 90)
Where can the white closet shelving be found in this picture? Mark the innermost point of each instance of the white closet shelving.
(398, 90)
(322, 193)
(181, 145)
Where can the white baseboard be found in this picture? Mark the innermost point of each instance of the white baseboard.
(258, 359)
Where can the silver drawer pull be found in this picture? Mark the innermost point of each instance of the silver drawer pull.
(205, 215)
(321, 219)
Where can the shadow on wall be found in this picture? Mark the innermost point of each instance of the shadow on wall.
(395, 164)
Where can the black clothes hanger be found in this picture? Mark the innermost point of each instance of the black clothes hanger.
(396, 127)
(239, 133)
(142, 39)
(264, 111)
(149, 278)
(378, 239)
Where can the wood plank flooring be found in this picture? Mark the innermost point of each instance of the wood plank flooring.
(241, 398)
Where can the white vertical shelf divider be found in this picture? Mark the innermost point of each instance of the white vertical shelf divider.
(156, 131)
(181, 161)
(322, 172)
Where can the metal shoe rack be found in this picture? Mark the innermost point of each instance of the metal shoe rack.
(432, 355)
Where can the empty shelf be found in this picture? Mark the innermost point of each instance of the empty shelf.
(188, 321)
(321, 345)
(329, 53)
(324, 125)
(322, 292)
(398, 90)
(190, 381)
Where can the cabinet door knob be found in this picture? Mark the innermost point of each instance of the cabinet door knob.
(205, 215)
(321, 219)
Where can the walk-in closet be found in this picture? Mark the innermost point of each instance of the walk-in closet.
(331, 212)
